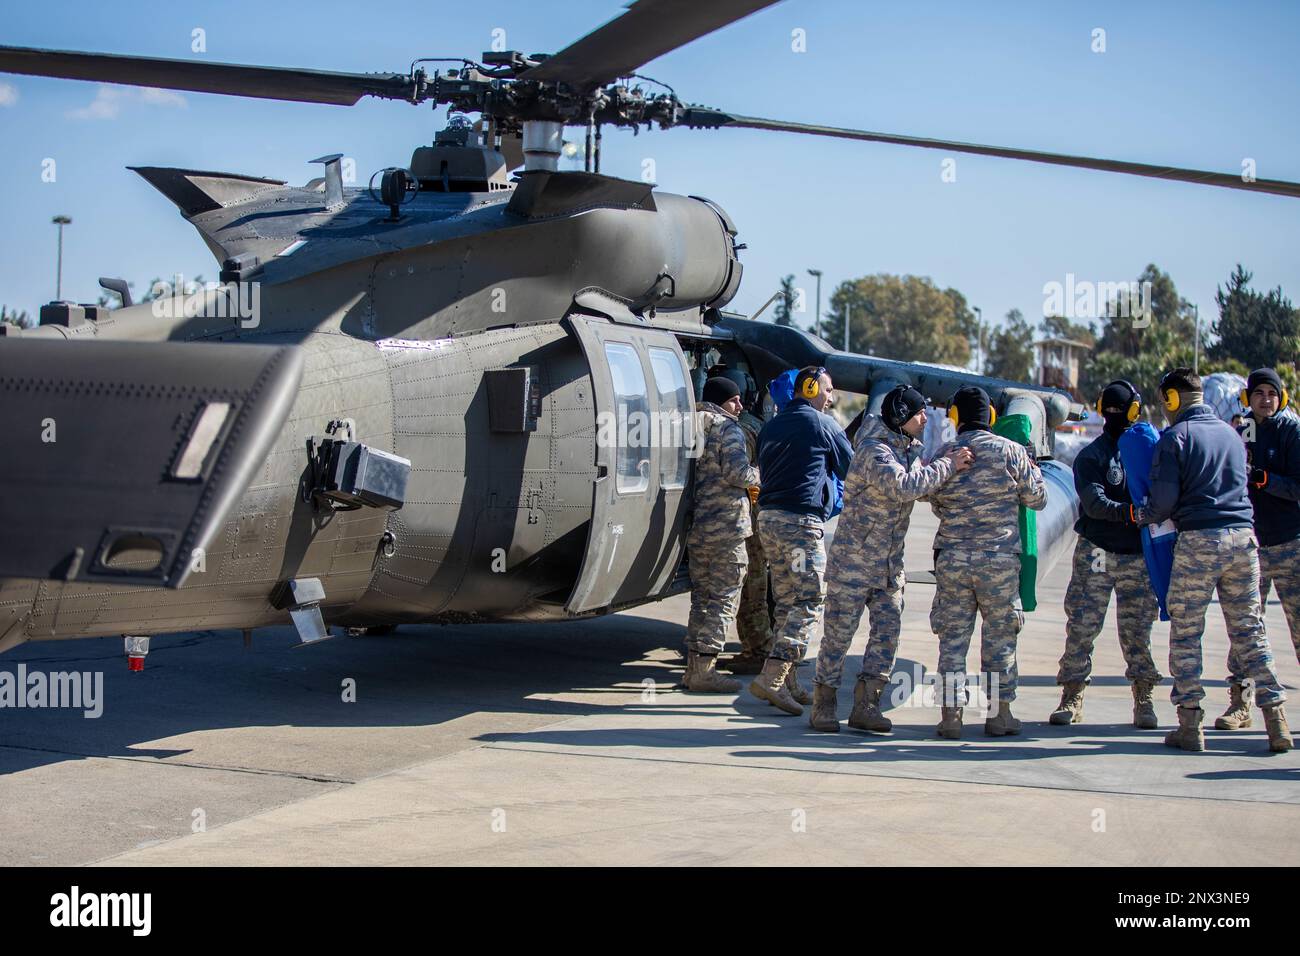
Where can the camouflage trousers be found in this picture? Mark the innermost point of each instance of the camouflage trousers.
(717, 575)
(987, 582)
(796, 552)
(1279, 565)
(753, 622)
(1226, 560)
(1096, 573)
(847, 594)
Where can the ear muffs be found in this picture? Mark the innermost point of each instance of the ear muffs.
(1173, 401)
(952, 416)
(1283, 400)
(811, 387)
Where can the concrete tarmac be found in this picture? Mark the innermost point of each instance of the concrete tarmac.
(571, 744)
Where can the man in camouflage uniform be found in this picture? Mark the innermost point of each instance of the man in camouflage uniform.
(1273, 456)
(753, 620)
(716, 542)
(799, 453)
(977, 561)
(865, 565)
(1108, 557)
(1198, 478)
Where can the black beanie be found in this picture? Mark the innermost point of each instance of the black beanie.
(718, 390)
(899, 405)
(1263, 376)
(973, 407)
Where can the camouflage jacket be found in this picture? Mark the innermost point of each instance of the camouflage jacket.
(979, 509)
(884, 481)
(722, 473)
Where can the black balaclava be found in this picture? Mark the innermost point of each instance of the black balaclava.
(1115, 402)
(899, 405)
(718, 390)
(973, 409)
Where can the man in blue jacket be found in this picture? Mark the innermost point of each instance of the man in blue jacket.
(1198, 478)
(1273, 455)
(800, 451)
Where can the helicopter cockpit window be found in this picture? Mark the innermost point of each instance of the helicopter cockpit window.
(632, 468)
(674, 412)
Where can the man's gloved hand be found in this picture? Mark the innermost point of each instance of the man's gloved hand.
(1258, 477)
(753, 491)
(1138, 515)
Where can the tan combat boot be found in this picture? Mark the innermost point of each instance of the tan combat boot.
(769, 685)
(866, 713)
(1279, 734)
(824, 705)
(950, 723)
(1070, 710)
(743, 663)
(796, 689)
(1003, 723)
(1237, 716)
(1144, 711)
(1190, 734)
(702, 676)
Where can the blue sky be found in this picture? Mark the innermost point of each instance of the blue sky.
(1193, 83)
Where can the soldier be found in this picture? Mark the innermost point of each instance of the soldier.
(798, 453)
(1108, 557)
(716, 542)
(753, 621)
(1198, 477)
(865, 565)
(977, 561)
(1273, 456)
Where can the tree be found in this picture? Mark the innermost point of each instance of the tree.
(1059, 327)
(785, 303)
(1257, 330)
(901, 317)
(10, 317)
(1011, 349)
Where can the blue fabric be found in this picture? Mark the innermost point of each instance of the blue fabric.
(1137, 449)
(802, 454)
(1198, 477)
(781, 389)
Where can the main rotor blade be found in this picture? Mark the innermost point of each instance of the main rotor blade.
(266, 82)
(649, 29)
(696, 116)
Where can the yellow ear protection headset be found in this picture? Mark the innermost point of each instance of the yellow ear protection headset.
(812, 386)
(1172, 400)
(952, 415)
(1135, 407)
(1283, 400)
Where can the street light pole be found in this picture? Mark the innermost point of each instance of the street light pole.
(979, 340)
(60, 221)
(1196, 349)
(816, 327)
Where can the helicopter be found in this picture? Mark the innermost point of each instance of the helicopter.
(416, 401)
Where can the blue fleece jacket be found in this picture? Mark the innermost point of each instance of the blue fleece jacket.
(1198, 474)
(798, 452)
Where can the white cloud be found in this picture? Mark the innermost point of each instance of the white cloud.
(109, 100)
(8, 94)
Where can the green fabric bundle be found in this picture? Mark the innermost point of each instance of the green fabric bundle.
(1019, 429)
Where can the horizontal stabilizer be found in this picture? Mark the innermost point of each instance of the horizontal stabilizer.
(194, 191)
(123, 459)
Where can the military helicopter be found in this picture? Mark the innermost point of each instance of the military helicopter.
(415, 401)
